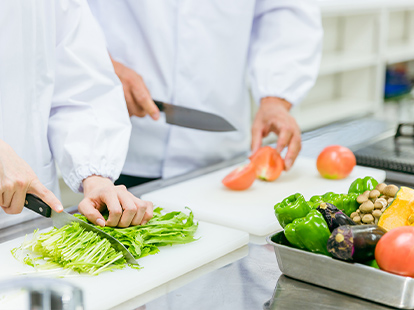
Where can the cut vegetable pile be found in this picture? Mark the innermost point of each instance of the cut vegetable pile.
(73, 248)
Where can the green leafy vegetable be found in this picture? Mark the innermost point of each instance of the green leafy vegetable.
(74, 248)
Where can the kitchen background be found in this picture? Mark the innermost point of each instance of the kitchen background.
(367, 67)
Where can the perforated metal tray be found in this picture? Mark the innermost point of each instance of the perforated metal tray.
(350, 278)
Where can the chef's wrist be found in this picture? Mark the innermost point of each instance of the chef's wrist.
(276, 101)
(94, 181)
(118, 67)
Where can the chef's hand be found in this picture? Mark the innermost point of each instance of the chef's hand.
(17, 179)
(124, 208)
(137, 96)
(273, 116)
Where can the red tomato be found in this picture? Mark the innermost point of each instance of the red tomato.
(395, 252)
(241, 178)
(269, 164)
(335, 162)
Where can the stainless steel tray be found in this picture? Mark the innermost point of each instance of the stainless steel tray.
(351, 278)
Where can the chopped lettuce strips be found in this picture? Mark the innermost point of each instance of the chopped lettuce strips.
(72, 247)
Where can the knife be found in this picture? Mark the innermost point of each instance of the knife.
(195, 119)
(63, 218)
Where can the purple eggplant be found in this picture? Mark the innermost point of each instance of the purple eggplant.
(355, 243)
(333, 216)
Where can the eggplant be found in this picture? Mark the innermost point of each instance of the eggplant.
(355, 243)
(333, 216)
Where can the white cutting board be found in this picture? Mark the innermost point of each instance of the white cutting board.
(251, 210)
(111, 289)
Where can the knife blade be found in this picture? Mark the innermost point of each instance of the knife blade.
(63, 218)
(195, 119)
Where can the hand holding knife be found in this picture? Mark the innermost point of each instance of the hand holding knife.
(139, 103)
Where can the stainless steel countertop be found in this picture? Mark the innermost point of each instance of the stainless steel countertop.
(255, 282)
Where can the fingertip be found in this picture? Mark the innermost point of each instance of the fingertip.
(280, 147)
(255, 146)
(155, 116)
(288, 164)
(100, 222)
(58, 208)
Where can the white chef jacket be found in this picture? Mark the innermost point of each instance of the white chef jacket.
(206, 55)
(60, 100)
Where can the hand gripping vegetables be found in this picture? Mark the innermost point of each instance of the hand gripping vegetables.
(361, 185)
(291, 208)
(71, 247)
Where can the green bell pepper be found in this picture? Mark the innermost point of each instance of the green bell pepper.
(313, 232)
(290, 233)
(291, 208)
(315, 201)
(345, 202)
(361, 185)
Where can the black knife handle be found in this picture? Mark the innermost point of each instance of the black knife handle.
(159, 104)
(37, 205)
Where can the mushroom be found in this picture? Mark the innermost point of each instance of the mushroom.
(374, 194)
(357, 219)
(362, 198)
(390, 190)
(380, 187)
(380, 203)
(367, 206)
(376, 213)
(367, 218)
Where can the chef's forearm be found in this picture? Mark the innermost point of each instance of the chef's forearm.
(89, 127)
(277, 101)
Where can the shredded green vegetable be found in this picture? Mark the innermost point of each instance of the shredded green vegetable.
(71, 247)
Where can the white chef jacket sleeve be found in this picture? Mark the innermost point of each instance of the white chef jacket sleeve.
(89, 127)
(285, 49)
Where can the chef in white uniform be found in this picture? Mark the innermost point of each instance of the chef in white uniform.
(61, 102)
(207, 55)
